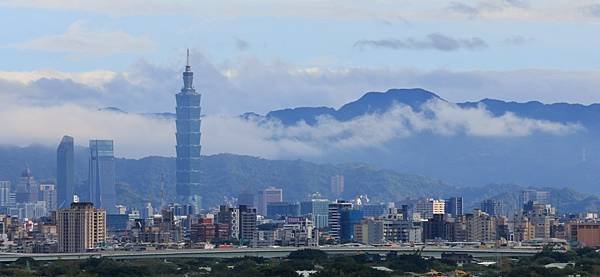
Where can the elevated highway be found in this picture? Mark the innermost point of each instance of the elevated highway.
(436, 252)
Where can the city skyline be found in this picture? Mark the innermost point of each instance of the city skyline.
(300, 138)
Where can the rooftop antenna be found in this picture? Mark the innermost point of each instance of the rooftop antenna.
(188, 58)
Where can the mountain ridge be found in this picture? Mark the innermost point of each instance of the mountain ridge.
(226, 175)
(416, 97)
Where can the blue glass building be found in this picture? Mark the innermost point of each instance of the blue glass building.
(188, 140)
(282, 209)
(317, 210)
(102, 175)
(65, 171)
(373, 210)
(349, 218)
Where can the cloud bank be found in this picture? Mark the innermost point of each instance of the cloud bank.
(42, 106)
(138, 135)
(251, 85)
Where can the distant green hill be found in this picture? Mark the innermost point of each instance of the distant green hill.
(225, 175)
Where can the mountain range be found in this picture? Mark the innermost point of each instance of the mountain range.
(380, 102)
(570, 160)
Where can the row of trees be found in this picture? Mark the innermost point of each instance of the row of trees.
(585, 262)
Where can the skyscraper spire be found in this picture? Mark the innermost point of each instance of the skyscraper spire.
(187, 63)
(188, 75)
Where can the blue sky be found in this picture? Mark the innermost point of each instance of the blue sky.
(306, 39)
(69, 55)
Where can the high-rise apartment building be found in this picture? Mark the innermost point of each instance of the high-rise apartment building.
(523, 229)
(282, 209)
(148, 212)
(266, 196)
(535, 196)
(492, 207)
(246, 198)
(335, 218)
(317, 209)
(337, 185)
(80, 227)
(369, 231)
(398, 230)
(541, 217)
(188, 138)
(48, 195)
(27, 188)
(102, 175)
(247, 223)
(7, 197)
(65, 171)
(429, 207)
(480, 226)
(454, 206)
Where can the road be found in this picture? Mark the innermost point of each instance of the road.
(482, 253)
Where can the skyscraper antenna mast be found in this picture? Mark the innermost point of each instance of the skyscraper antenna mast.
(187, 63)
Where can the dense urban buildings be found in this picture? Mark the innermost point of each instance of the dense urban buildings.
(188, 140)
(80, 227)
(311, 222)
(102, 175)
(65, 171)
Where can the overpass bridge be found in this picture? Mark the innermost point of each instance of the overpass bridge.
(436, 252)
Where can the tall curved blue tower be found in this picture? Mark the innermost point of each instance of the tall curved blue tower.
(188, 140)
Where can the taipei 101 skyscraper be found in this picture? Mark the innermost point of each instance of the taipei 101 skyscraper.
(188, 141)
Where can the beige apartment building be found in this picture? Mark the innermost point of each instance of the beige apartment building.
(80, 227)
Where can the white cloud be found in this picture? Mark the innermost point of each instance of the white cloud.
(134, 135)
(437, 117)
(79, 40)
(253, 85)
(90, 78)
(138, 136)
